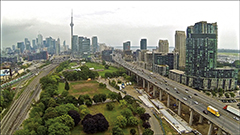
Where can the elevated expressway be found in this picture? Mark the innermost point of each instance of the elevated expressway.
(224, 122)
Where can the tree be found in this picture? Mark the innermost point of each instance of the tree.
(226, 95)
(106, 66)
(140, 110)
(110, 106)
(117, 131)
(81, 100)
(112, 95)
(148, 132)
(94, 123)
(75, 116)
(126, 113)
(41, 130)
(132, 121)
(121, 121)
(64, 93)
(145, 116)
(71, 99)
(96, 98)
(103, 62)
(88, 103)
(220, 94)
(133, 131)
(103, 97)
(83, 111)
(22, 132)
(232, 94)
(101, 122)
(59, 129)
(123, 103)
(146, 125)
(52, 102)
(66, 85)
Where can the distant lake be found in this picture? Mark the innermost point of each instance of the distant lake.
(134, 48)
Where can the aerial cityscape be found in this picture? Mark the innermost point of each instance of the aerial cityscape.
(120, 68)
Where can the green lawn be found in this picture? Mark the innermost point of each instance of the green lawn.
(86, 87)
(100, 66)
(109, 115)
(61, 87)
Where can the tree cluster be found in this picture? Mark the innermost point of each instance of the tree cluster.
(62, 66)
(94, 123)
(6, 98)
(99, 98)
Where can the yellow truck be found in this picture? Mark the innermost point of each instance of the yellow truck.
(213, 111)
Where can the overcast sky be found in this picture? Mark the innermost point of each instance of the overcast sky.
(115, 22)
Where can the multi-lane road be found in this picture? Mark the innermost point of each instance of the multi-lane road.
(225, 121)
(19, 108)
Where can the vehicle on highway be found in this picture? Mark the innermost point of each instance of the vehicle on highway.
(236, 118)
(189, 96)
(204, 111)
(196, 102)
(156, 82)
(195, 94)
(167, 88)
(184, 98)
(238, 104)
(177, 92)
(186, 89)
(175, 88)
(232, 110)
(151, 73)
(213, 110)
(166, 84)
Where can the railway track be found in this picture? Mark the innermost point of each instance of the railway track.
(20, 107)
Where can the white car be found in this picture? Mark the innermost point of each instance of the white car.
(196, 102)
(184, 98)
(236, 118)
(186, 91)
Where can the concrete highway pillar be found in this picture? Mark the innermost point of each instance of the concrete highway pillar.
(168, 100)
(191, 117)
(148, 88)
(179, 108)
(154, 91)
(219, 131)
(200, 119)
(160, 94)
(210, 128)
(143, 83)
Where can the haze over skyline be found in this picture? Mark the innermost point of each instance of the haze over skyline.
(115, 22)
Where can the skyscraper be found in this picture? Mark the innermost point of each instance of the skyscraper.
(163, 46)
(71, 24)
(58, 47)
(180, 47)
(201, 48)
(40, 41)
(126, 46)
(94, 43)
(143, 44)
(21, 46)
(74, 44)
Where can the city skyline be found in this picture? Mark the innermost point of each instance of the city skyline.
(116, 22)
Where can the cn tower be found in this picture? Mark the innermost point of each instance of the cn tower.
(71, 24)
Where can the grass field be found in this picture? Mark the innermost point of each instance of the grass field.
(86, 87)
(61, 87)
(109, 115)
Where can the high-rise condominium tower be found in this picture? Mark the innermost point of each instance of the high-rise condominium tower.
(163, 46)
(180, 47)
(201, 49)
(143, 44)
